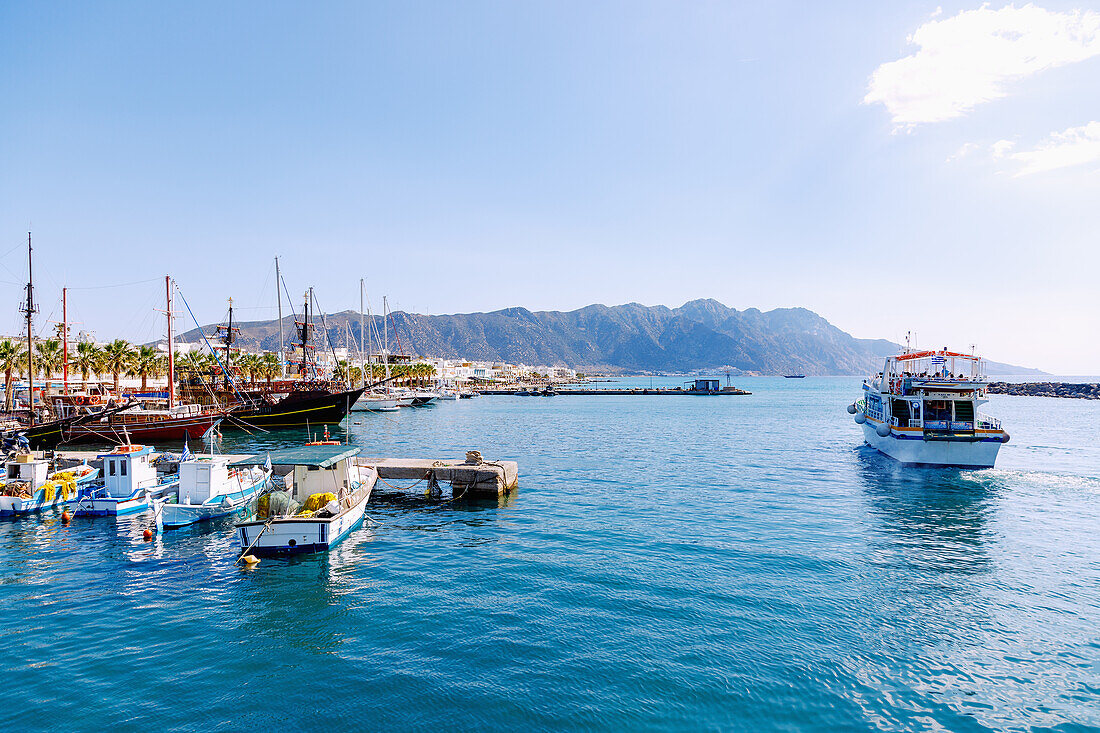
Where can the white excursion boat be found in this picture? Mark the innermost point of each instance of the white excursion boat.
(27, 487)
(130, 483)
(922, 410)
(209, 488)
(325, 498)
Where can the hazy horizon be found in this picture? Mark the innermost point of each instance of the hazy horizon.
(912, 166)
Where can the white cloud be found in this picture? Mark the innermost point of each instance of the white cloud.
(971, 58)
(1075, 146)
(1000, 148)
(962, 152)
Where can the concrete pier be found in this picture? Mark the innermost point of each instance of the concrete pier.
(487, 478)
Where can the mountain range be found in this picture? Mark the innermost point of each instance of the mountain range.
(630, 338)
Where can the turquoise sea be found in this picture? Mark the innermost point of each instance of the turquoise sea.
(668, 563)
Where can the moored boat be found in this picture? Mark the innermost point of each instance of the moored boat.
(324, 498)
(130, 483)
(922, 408)
(375, 402)
(27, 487)
(209, 488)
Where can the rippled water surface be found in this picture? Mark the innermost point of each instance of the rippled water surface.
(668, 563)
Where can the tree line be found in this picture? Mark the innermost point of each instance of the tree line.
(121, 358)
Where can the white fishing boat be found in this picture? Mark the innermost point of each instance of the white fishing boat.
(130, 483)
(324, 499)
(28, 487)
(209, 488)
(922, 409)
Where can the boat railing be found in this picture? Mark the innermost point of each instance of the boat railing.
(987, 422)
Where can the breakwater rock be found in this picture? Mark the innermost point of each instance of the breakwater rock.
(1047, 389)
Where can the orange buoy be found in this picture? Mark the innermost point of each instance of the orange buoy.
(147, 534)
(65, 516)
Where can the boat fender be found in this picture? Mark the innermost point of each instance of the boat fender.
(860, 418)
(883, 430)
(332, 508)
(851, 409)
(1006, 438)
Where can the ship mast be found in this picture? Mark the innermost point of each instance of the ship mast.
(171, 348)
(279, 298)
(65, 339)
(30, 309)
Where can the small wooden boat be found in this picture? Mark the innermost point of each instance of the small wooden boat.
(208, 489)
(28, 488)
(322, 500)
(130, 484)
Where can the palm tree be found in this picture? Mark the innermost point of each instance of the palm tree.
(249, 364)
(87, 359)
(145, 363)
(340, 371)
(192, 362)
(118, 356)
(269, 367)
(11, 355)
(48, 356)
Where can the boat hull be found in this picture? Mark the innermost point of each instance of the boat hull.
(95, 504)
(20, 506)
(320, 410)
(174, 516)
(373, 404)
(979, 451)
(174, 429)
(299, 535)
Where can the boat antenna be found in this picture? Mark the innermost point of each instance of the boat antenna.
(29, 309)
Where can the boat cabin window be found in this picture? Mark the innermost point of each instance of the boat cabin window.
(937, 410)
(313, 468)
(110, 467)
(122, 468)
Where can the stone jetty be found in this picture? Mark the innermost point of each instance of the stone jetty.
(1047, 389)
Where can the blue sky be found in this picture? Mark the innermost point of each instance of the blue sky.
(892, 166)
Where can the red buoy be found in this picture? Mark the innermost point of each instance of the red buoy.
(147, 534)
(65, 516)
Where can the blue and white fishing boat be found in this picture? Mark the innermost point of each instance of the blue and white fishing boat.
(922, 409)
(319, 503)
(130, 484)
(209, 488)
(28, 488)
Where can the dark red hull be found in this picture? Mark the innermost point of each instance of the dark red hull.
(173, 429)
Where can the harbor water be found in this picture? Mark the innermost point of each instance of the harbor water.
(667, 563)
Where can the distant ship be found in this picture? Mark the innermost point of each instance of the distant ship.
(794, 376)
(923, 409)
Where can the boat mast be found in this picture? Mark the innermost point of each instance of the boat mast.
(228, 339)
(30, 309)
(171, 348)
(362, 364)
(386, 331)
(65, 339)
(279, 297)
